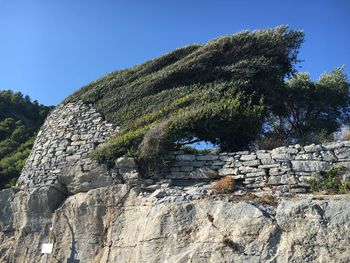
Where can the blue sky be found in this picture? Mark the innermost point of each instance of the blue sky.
(48, 49)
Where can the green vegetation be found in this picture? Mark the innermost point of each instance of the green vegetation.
(331, 182)
(20, 119)
(231, 92)
(311, 110)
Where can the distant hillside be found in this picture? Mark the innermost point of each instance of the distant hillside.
(20, 119)
(224, 92)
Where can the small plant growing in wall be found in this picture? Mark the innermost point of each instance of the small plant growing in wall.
(224, 186)
(331, 182)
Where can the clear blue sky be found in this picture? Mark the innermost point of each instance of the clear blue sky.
(48, 49)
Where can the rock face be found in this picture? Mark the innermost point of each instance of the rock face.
(124, 224)
(92, 213)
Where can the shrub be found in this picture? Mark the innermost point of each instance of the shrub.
(153, 149)
(224, 185)
(331, 182)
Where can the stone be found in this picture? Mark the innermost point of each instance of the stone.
(342, 153)
(198, 163)
(207, 157)
(130, 176)
(248, 169)
(267, 166)
(298, 190)
(72, 158)
(274, 180)
(333, 145)
(187, 168)
(277, 171)
(313, 148)
(186, 157)
(310, 166)
(76, 180)
(284, 150)
(251, 163)
(305, 156)
(288, 179)
(268, 161)
(281, 156)
(264, 155)
(256, 174)
(218, 163)
(241, 152)
(204, 173)
(328, 156)
(125, 162)
(228, 171)
(249, 157)
(227, 158)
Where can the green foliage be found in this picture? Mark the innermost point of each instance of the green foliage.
(218, 92)
(311, 110)
(331, 182)
(19, 121)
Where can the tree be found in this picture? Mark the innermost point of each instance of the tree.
(218, 92)
(311, 109)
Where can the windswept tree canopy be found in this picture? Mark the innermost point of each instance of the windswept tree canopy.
(217, 92)
(226, 92)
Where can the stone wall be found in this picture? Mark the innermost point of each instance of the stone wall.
(284, 169)
(72, 131)
(69, 134)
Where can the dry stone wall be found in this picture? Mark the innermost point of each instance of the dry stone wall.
(73, 130)
(284, 169)
(68, 135)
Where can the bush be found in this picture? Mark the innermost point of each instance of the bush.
(153, 149)
(331, 182)
(224, 185)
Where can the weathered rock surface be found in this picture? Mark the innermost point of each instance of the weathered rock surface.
(92, 213)
(124, 224)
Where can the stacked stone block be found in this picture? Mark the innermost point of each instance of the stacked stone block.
(69, 134)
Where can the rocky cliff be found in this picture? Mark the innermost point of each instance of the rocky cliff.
(93, 213)
(127, 224)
